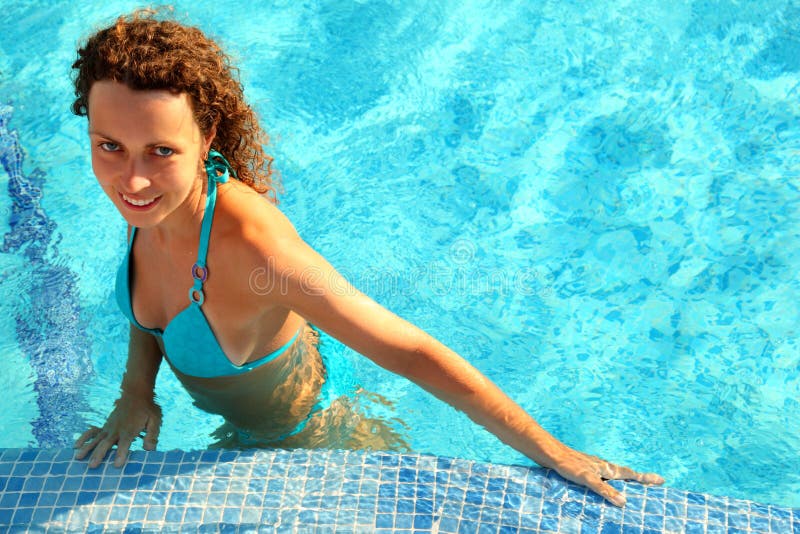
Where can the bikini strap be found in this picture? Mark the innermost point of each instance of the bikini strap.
(218, 170)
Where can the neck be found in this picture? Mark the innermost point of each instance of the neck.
(183, 224)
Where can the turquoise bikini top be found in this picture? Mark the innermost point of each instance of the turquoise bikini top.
(189, 342)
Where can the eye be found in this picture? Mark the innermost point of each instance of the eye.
(108, 146)
(164, 151)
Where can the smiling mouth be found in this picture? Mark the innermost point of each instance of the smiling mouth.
(143, 203)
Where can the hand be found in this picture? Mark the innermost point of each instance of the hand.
(591, 471)
(131, 416)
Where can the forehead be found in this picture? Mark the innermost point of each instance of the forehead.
(114, 106)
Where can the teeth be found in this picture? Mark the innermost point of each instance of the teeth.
(138, 202)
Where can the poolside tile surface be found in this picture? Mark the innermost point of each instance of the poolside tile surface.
(343, 491)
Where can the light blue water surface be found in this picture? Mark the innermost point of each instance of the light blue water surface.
(597, 206)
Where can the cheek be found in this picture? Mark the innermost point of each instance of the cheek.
(101, 168)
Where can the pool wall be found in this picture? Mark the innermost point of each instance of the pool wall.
(342, 491)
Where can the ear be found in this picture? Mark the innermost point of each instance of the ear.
(209, 138)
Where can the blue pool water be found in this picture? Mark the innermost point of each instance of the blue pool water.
(597, 206)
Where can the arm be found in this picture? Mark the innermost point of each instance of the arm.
(312, 287)
(134, 411)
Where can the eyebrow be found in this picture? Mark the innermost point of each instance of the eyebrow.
(110, 138)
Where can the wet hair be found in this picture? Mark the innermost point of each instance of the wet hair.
(145, 51)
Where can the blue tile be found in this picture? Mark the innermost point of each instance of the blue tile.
(572, 509)
(759, 524)
(471, 512)
(404, 521)
(423, 506)
(40, 469)
(118, 514)
(386, 505)
(512, 501)
(22, 516)
(490, 515)
(384, 521)
(137, 513)
(169, 469)
(632, 529)
(549, 523)
(611, 528)
(424, 478)
(423, 521)
(173, 457)
(387, 490)
(22, 468)
(424, 490)
(776, 512)
(716, 517)
(5, 516)
(40, 515)
(693, 527)
(654, 521)
(696, 512)
(474, 497)
(128, 483)
(231, 515)
(132, 468)
(674, 524)
(551, 508)
(405, 506)
(45, 499)
(86, 497)
(654, 507)
(28, 499)
(15, 484)
(28, 455)
(66, 498)
(780, 525)
(696, 498)
(407, 475)
(226, 456)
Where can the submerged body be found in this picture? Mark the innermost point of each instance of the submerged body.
(255, 283)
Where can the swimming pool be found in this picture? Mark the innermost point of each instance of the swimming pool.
(596, 206)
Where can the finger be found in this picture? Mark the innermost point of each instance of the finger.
(606, 491)
(91, 444)
(611, 471)
(152, 430)
(123, 447)
(93, 430)
(649, 478)
(100, 451)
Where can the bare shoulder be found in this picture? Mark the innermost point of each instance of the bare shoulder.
(250, 233)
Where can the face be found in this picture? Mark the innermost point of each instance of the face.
(146, 150)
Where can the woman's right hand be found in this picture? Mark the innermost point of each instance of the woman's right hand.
(131, 416)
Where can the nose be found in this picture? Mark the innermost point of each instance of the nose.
(135, 177)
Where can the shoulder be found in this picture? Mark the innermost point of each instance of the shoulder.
(251, 233)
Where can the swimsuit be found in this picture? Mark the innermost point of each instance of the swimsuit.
(189, 342)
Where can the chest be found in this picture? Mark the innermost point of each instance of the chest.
(160, 283)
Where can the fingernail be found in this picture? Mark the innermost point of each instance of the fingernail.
(620, 500)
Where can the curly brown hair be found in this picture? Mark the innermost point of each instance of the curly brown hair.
(144, 51)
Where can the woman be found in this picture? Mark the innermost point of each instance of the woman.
(228, 304)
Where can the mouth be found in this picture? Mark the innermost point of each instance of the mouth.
(137, 204)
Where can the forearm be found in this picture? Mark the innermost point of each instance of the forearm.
(144, 359)
(452, 379)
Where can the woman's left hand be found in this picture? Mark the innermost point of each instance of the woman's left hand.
(592, 472)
